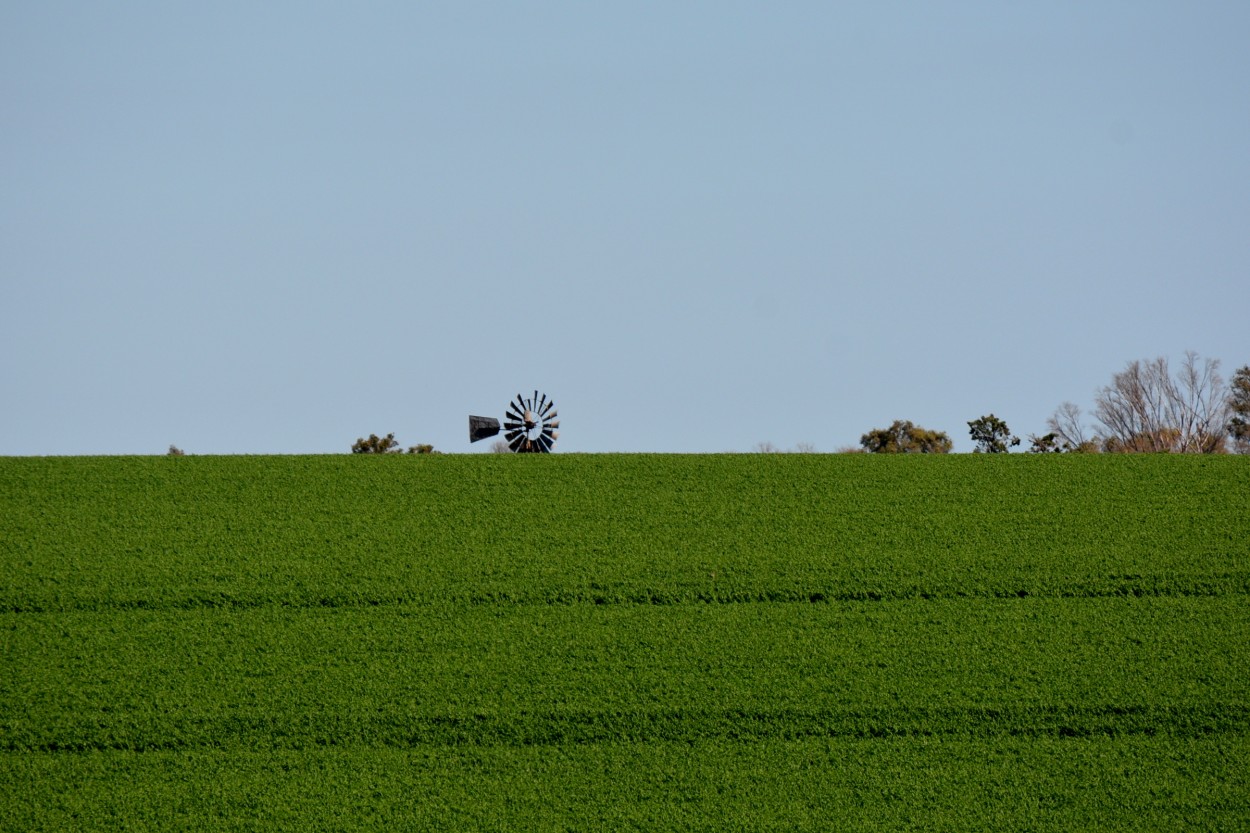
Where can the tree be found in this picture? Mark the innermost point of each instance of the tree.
(387, 445)
(991, 435)
(376, 445)
(1067, 427)
(904, 438)
(1239, 408)
(1045, 444)
(1145, 408)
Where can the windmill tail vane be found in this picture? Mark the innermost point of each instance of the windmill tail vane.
(529, 425)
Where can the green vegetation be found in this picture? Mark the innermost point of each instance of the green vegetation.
(991, 435)
(381, 445)
(904, 438)
(788, 642)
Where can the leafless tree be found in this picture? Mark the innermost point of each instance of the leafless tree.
(1067, 424)
(1239, 410)
(1145, 408)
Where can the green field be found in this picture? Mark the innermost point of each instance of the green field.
(638, 642)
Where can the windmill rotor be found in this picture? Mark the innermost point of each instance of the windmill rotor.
(529, 426)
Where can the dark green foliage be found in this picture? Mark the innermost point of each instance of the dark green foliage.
(1036, 783)
(904, 438)
(1045, 444)
(991, 435)
(376, 445)
(387, 445)
(667, 642)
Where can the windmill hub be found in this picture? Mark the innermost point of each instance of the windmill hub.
(529, 425)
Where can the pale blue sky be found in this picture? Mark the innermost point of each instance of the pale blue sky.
(277, 227)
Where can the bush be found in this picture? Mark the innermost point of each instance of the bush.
(387, 445)
(902, 437)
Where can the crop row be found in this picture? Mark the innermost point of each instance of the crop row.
(273, 678)
(172, 533)
(1039, 784)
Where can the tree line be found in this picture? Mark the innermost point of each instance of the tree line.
(1145, 408)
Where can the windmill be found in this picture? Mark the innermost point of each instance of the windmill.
(529, 425)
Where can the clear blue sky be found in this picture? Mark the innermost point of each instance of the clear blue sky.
(699, 226)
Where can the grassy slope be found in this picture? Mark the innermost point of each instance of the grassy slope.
(665, 642)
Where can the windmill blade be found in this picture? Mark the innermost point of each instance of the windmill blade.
(529, 424)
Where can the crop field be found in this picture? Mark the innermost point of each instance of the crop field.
(625, 642)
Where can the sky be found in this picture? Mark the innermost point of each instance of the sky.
(251, 228)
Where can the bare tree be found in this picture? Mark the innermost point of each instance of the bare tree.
(1145, 408)
(1239, 410)
(1203, 406)
(1067, 425)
